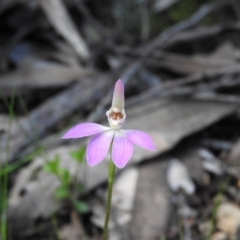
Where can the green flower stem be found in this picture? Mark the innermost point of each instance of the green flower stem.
(111, 173)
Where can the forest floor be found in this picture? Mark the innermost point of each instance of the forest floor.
(180, 63)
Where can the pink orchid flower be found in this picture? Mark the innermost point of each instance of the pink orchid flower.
(122, 140)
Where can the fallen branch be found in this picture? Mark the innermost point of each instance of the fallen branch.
(200, 33)
(160, 40)
(194, 78)
(227, 98)
(186, 24)
(53, 111)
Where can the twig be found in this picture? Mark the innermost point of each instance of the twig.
(159, 41)
(172, 35)
(186, 36)
(191, 22)
(200, 33)
(161, 90)
(70, 95)
(196, 92)
(217, 97)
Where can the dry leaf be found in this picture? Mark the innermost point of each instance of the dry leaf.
(61, 21)
(158, 118)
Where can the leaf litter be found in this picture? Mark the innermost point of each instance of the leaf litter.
(182, 87)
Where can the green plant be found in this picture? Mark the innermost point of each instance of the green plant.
(69, 188)
(7, 167)
(4, 177)
(38, 150)
(216, 203)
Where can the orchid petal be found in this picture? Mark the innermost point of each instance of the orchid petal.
(84, 130)
(122, 150)
(118, 95)
(98, 147)
(141, 139)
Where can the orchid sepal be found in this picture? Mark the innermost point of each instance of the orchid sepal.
(116, 114)
(122, 141)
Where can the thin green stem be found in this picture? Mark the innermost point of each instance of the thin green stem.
(111, 173)
(4, 196)
(56, 228)
(216, 205)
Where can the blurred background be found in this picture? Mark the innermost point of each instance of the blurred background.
(179, 60)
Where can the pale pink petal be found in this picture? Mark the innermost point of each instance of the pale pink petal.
(98, 147)
(141, 139)
(84, 130)
(122, 150)
(118, 95)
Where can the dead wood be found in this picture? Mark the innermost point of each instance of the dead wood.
(169, 110)
(152, 208)
(207, 90)
(174, 88)
(200, 33)
(39, 78)
(163, 38)
(217, 97)
(46, 117)
(204, 10)
(191, 79)
(153, 204)
(226, 55)
(156, 117)
(159, 41)
(158, 207)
